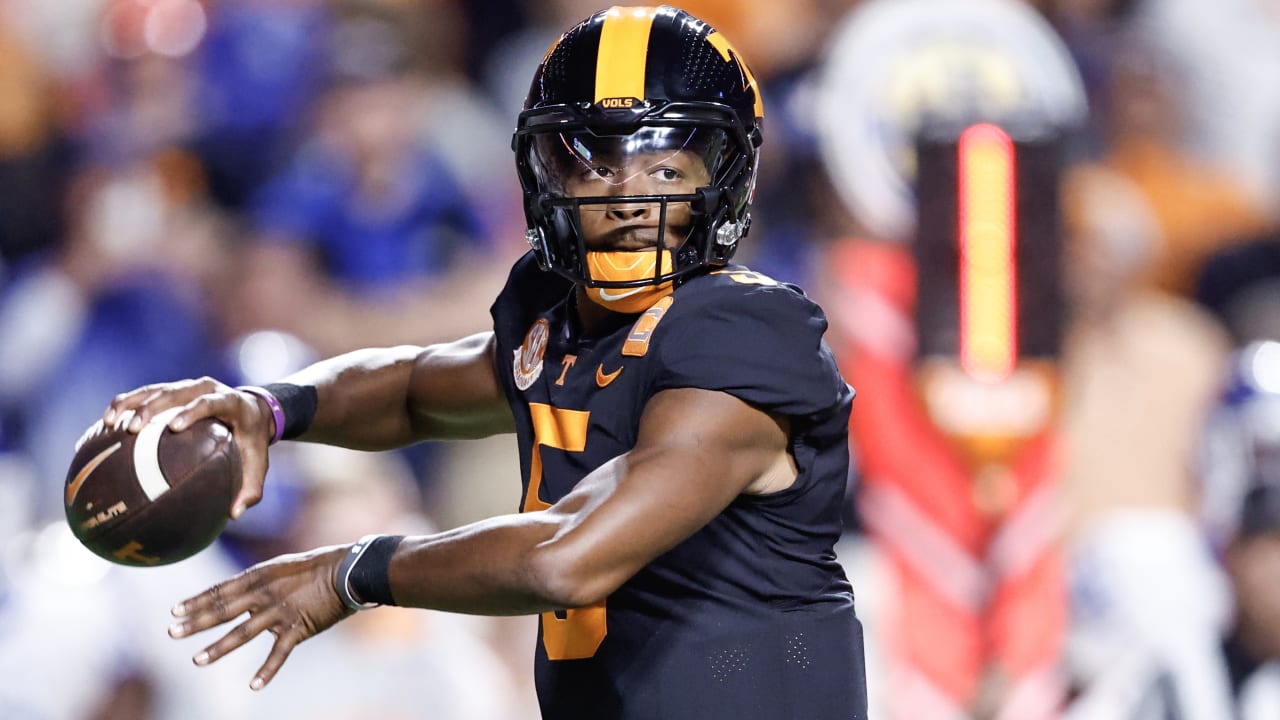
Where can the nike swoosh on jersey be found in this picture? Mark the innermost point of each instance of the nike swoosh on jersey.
(603, 378)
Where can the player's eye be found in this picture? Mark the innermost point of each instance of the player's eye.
(667, 174)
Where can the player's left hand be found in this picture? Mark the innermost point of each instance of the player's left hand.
(291, 596)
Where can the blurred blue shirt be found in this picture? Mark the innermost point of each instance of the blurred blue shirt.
(415, 230)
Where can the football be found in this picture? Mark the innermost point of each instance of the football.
(155, 497)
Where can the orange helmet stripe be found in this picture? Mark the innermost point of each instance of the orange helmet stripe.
(624, 50)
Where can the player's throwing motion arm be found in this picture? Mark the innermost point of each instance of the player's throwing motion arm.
(368, 400)
(696, 451)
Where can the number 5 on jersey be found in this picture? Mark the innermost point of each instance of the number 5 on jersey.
(579, 634)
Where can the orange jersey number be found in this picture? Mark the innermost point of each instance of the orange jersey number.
(579, 633)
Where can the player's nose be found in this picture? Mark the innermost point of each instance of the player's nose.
(625, 212)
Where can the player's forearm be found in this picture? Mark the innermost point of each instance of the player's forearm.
(498, 566)
(571, 555)
(362, 398)
(389, 397)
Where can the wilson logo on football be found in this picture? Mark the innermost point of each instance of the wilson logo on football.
(528, 357)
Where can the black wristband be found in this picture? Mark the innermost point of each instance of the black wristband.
(299, 405)
(368, 578)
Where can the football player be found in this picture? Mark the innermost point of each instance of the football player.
(681, 423)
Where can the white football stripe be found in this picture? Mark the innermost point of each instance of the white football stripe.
(146, 454)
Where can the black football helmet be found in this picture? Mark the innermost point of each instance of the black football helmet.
(634, 80)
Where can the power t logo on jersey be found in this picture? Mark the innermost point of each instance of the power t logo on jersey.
(528, 357)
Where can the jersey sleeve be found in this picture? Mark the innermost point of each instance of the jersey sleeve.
(762, 344)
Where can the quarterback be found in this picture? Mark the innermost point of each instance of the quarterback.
(681, 423)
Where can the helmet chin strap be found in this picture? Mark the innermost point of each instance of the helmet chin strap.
(625, 266)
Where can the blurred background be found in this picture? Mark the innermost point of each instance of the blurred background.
(1046, 234)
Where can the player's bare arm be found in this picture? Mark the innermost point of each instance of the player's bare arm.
(368, 399)
(697, 450)
(382, 399)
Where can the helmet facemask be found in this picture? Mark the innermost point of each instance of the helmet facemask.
(673, 179)
(628, 90)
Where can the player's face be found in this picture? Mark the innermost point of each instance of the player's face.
(635, 226)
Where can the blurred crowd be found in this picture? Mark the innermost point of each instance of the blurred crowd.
(235, 188)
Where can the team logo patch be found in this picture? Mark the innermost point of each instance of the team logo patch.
(528, 357)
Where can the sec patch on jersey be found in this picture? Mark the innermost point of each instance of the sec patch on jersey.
(155, 497)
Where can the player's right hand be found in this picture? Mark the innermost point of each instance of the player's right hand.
(250, 421)
(291, 596)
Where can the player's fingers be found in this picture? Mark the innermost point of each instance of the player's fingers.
(169, 396)
(286, 641)
(126, 401)
(212, 404)
(253, 464)
(227, 407)
(236, 410)
(220, 603)
(236, 637)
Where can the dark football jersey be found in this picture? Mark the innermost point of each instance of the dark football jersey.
(751, 616)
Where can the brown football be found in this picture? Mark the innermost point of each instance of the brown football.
(155, 497)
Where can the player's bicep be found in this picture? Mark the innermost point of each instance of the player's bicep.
(454, 391)
(697, 451)
(732, 442)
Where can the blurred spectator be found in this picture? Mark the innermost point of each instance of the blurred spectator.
(776, 36)
(460, 121)
(1094, 32)
(367, 238)
(259, 70)
(1197, 203)
(525, 48)
(33, 153)
(1226, 59)
(1140, 370)
(796, 210)
(1141, 366)
(1237, 673)
(1240, 506)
